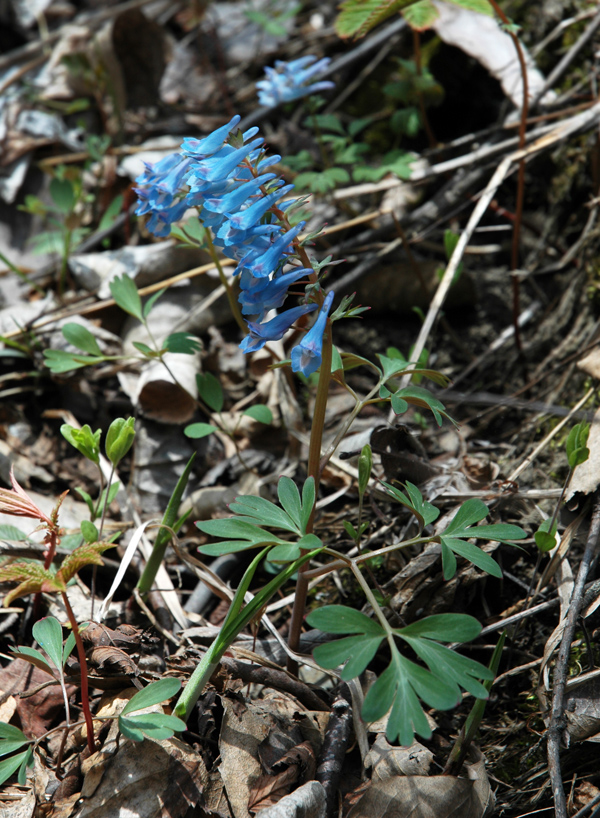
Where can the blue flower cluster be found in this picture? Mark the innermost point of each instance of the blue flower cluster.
(287, 81)
(223, 176)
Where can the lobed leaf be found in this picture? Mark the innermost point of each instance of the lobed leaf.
(289, 497)
(157, 726)
(341, 619)
(251, 509)
(472, 553)
(14, 763)
(443, 628)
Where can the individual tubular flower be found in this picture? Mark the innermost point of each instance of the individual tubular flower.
(287, 81)
(260, 301)
(273, 330)
(306, 356)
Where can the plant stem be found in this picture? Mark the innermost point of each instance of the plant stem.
(85, 694)
(314, 470)
(233, 303)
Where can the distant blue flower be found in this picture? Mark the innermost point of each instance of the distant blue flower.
(306, 356)
(287, 81)
(273, 330)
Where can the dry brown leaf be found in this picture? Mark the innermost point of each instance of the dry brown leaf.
(439, 796)
(298, 764)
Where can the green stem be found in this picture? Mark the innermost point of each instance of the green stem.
(85, 694)
(233, 303)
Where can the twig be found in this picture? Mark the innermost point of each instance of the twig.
(333, 752)
(557, 717)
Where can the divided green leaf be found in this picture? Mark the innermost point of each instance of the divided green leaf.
(80, 337)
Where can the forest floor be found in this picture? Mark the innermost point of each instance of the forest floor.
(419, 132)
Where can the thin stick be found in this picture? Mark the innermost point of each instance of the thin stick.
(557, 713)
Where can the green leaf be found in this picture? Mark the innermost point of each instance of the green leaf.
(421, 16)
(423, 510)
(577, 451)
(157, 726)
(210, 391)
(447, 664)
(284, 553)
(444, 628)
(149, 304)
(237, 535)
(119, 439)
(471, 512)
(308, 502)
(126, 296)
(183, 343)
(86, 497)
(154, 693)
(84, 440)
(11, 739)
(419, 396)
(254, 510)
(59, 360)
(480, 6)
(341, 619)
(474, 554)
(198, 430)
(145, 349)
(260, 413)
(365, 465)
(545, 539)
(89, 531)
(355, 651)
(80, 337)
(12, 764)
(289, 497)
(11, 532)
(350, 530)
(358, 17)
(49, 635)
(34, 657)
(110, 214)
(63, 195)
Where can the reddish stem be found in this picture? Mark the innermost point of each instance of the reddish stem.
(521, 175)
(85, 695)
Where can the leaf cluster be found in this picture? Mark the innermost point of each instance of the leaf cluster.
(402, 686)
(243, 531)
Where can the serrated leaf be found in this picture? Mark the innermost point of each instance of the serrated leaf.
(86, 554)
(210, 391)
(154, 693)
(80, 337)
(32, 578)
(48, 633)
(199, 430)
(183, 343)
(126, 296)
(341, 619)
(421, 16)
(260, 413)
(358, 17)
(289, 497)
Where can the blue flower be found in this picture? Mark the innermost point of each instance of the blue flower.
(273, 330)
(306, 356)
(287, 81)
(259, 300)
